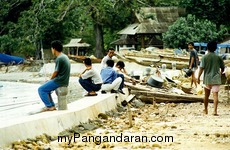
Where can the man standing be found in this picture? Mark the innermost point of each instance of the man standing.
(193, 64)
(211, 65)
(90, 79)
(60, 76)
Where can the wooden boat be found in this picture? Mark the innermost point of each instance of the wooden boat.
(150, 94)
(81, 58)
(169, 57)
(157, 62)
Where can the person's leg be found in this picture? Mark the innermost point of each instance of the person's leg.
(51, 99)
(193, 80)
(116, 83)
(106, 87)
(215, 97)
(206, 97)
(215, 90)
(44, 92)
(96, 87)
(86, 84)
(122, 82)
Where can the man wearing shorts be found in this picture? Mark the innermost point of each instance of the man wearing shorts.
(213, 67)
(193, 64)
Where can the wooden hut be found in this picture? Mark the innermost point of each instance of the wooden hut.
(77, 47)
(151, 23)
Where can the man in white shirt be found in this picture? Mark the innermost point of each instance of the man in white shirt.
(90, 79)
(107, 57)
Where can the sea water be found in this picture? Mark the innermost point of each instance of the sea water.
(18, 99)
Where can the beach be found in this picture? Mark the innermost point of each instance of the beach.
(173, 126)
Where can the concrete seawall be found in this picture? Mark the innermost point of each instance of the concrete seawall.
(54, 122)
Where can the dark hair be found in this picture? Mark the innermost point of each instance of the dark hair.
(191, 43)
(111, 48)
(57, 45)
(110, 63)
(121, 64)
(212, 46)
(87, 61)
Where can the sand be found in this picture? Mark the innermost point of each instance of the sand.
(184, 122)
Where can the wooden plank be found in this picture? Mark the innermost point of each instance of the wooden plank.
(130, 97)
(179, 65)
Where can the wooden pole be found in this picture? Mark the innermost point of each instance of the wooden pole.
(130, 116)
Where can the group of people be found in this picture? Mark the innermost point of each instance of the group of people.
(112, 80)
(212, 66)
(108, 79)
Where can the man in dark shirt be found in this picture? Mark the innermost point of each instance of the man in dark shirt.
(213, 66)
(193, 65)
(60, 76)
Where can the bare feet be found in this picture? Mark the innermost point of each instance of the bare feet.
(215, 114)
(48, 109)
(205, 111)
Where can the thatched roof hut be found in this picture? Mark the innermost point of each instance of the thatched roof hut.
(76, 43)
(151, 22)
(77, 47)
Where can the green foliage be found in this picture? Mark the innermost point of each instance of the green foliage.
(217, 11)
(106, 18)
(25, 24)
(190, 29)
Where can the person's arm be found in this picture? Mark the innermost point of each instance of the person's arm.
(222, 66)
(87, 68)
(124, 71)
(55, 73)
(103, 62)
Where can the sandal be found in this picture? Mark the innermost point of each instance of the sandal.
(95, 94)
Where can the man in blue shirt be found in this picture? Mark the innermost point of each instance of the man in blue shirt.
(109, 77)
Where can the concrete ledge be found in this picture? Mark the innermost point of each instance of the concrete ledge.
(54, 122)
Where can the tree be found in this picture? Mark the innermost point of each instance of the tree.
(217, 11)
(190, 29)
(165, 3)
(46, 20)
(10, 12)
(106, 16)
(39, 24)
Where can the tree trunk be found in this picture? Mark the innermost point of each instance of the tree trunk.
(99, 40)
